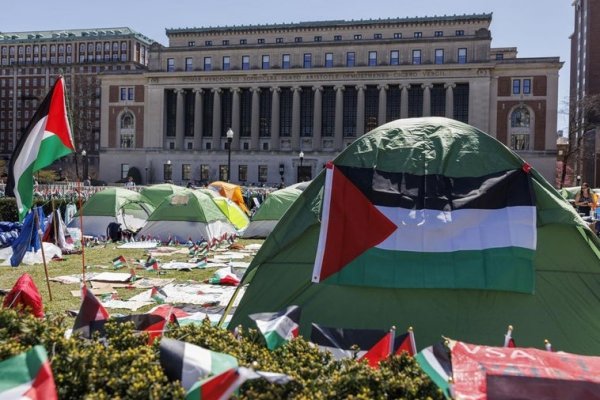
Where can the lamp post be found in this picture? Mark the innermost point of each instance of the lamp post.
(168, 173)
(229, 140)
(578, 178)
(281, 172)
(85, 164)
(301, 157)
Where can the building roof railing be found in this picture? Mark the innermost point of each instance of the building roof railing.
(73, 34)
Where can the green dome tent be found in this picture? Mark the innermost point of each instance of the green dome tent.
(432, 223)
(124, 206)
(157, 193)
(270, 212)
(187, 214)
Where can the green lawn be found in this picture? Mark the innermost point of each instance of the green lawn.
(62, 299)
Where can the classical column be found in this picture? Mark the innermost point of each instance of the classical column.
(254, 121)
(339, 117)
(235, 118)
(317, 110)
(275, 117)
(179, 120)
(404, 100)
(216, 128)
(296, 118)
(381, 117)
(360, 110)
(426, 99)
(450, 99)
(198, 107)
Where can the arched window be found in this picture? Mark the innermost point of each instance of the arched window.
(520, 128)
(127, 130)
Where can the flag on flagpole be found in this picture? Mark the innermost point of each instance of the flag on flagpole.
(382, 349)
(46, 139)
(91, 310)
(279, 327)
(405, 343)
(151, 264)
(158, 295)
(341, 342)
(547, 345)
(188, 363)
(119, 262)
(508, 339)
(27, 376)
(153, 324)
(25, 295)
(435, 362)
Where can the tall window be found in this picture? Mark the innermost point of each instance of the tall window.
(350, 58)
(415, 101)
(189, 64)
(242, 173)
(264, 113)
(307, 60)
(245, 62)
(372, 58)
(207, 113)
(186, 172)
(245, 112)
(520, 124)
(328, 60)
(205, 172)
(285, 61)
(226, 63)
(393, 103)
(208, 63)
(170, 64)
(263, 172)
(127, 130)
(416, 56)
(461, 102)
(306, 111)
(265, 62)
(438, 100)
(439, 56)
(223, 173)
(328, 111)
(285, 112)
(371, 108)
(349, 116)
(462, 56)
(394, 57)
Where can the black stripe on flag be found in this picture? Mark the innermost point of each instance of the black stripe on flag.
(439, 192)
(141, 322)
(345, 338)
(171, 358)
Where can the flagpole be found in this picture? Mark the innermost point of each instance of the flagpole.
(82, 235)
(229, 305)
(392, 340)
(413, 343)
(37, 223)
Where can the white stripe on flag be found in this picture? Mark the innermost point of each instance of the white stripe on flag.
(324, 224)
(434, 363)
(283, 326)
(467, 229)
(339, 354)
(197, 362)
(17, 392)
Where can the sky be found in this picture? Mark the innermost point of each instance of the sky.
(538, 28)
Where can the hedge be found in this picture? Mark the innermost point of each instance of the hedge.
(8, 207)
(122, 366)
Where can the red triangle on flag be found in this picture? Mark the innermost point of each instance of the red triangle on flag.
(216, 387)
(350, 225)
(43, 387)
(380, 351)
(404, 343)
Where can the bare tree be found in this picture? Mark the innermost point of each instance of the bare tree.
(584, 115)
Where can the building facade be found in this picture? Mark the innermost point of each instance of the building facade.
(584, 136)
(295, 95)
(30, 63)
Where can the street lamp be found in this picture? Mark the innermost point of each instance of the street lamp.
(168, 172)
(281, 172)
(301, 156)
(229, 140)
(578, 180)
(85, 164)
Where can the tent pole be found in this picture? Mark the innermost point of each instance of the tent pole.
(37, 223)
(82, 236)
(228, 307)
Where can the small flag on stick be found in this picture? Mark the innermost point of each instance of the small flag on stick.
(508, 339)
(119, 262)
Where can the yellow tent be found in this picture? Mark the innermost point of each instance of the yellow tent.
(232, 192)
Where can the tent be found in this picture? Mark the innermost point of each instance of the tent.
(124, 206)
(185, 215)
(232, 192)
(270, 212)
(547, 287)
(157, 193)
(233, 212)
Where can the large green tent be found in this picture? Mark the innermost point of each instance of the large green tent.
(553, 297)
(270, 212)
(157, 193)
(126, 207)
(188, 214)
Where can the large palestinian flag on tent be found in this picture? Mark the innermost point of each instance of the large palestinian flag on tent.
(443, 230)
(440, 256)
(48, 138)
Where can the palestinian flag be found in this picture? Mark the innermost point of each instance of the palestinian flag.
(224, 276)
(153, 324)
(47, 138)
(280, 327)
(119, 262)
(435, 362)
(91, 310)
(405, 343)
(152, 264)
(222, 386)
(382, 350)
(133, 275)
(158, 295)
(508, 339)
(340, 341)
(189, 363)
(27, 376)
(399, 229)
(25, 296)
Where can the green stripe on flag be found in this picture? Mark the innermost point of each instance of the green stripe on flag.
(274, 340)
(25, 191)
(509, 269)
(51, 149)
(21, 369)
(434, 374)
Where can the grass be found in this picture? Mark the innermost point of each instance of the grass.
(63, 300)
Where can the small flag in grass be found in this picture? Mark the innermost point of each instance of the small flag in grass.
(158, 295)
(279, 327)
(152, 265)
(133, 275)
(27, 376)
(119, 262)
(201, 263)
(224, 276)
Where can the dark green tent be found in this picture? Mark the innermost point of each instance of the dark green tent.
(559, 300)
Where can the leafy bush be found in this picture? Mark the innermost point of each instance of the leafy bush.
(122, 366)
